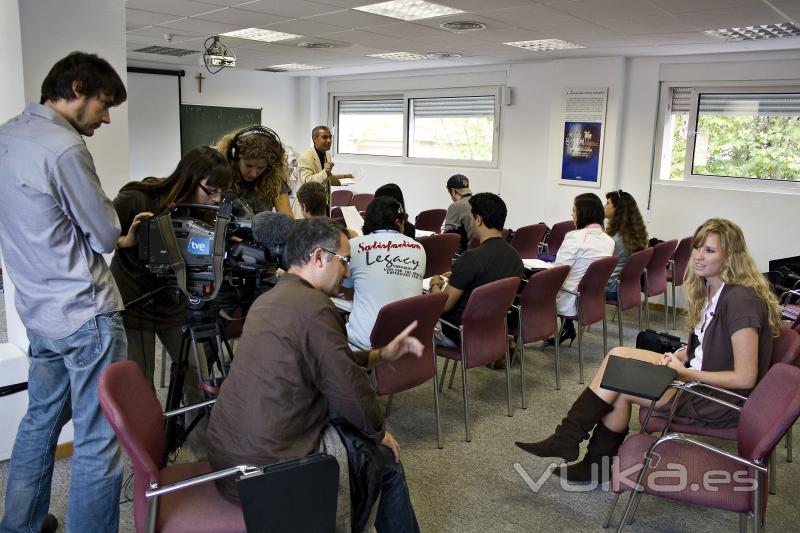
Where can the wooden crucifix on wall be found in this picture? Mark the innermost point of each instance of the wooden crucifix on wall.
(200, 79)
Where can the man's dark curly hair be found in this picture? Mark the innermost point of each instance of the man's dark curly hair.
(92, 75)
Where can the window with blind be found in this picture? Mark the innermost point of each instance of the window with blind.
(460, 128)
(732, 133)
(422, 126)
(370, 127)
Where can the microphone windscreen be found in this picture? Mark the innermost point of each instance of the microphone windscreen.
(271, 229)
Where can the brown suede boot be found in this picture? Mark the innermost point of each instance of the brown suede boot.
(584, 414)
(604, 444)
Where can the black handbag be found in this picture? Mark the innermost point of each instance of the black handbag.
(658, 342)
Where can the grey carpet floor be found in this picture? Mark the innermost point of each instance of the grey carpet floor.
(475, 486)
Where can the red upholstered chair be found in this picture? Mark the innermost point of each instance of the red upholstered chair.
(439, 252)
(785, 349)
(341, 197)
(676, 268)
(629, 286)
(655, 280)
(336, 212)
(556, 236)
(790, 306)
(362, 200)
(591, 301)
(430, 220)
(409, 371)
(483, 334)
(537, 314)
(773, 406)
(527, 239)
(134, 413)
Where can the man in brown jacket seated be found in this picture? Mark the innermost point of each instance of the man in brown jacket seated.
(293, 368)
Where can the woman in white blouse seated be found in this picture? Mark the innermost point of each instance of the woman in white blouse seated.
(580, 248)
(385, 266)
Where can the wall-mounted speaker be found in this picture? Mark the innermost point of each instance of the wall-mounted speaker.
(506, 95)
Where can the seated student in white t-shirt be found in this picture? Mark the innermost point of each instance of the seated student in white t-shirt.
(385, 266)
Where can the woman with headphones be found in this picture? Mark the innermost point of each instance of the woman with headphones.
(260, 168)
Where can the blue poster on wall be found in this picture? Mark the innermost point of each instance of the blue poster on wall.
(581, 156)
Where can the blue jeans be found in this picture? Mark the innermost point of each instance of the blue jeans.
(62, 384)
(395, 513)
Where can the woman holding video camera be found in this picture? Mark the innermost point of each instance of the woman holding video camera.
(200, 178)
(260, 168)
(733, 317)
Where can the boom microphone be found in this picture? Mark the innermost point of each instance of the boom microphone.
(271, 230)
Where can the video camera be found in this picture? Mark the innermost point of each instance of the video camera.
(238, 249)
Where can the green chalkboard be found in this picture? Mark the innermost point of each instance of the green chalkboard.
(202, 124)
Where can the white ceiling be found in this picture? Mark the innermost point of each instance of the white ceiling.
(627, 28)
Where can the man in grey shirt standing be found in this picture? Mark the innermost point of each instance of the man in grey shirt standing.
(56, 224)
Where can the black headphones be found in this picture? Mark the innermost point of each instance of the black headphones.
(233, 149)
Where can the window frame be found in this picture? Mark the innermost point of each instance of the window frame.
(706, 181)
(407, 96)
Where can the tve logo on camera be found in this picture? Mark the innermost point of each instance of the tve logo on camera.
(200, 246)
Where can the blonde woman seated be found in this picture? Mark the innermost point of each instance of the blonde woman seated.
(734, 318)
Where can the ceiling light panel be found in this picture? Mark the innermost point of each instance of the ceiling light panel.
(398, 56)
(755, 33)
(257, 34)
(409, 9)
(544, 45)
(293, 66)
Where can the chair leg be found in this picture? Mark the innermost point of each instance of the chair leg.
(773, 481)
(666, 312)
(436, 387)
(757, 503)
(640, 314)
(789, 445)
(444, 373)
(164, 356)
(605, 336)
(619, 322)
(647, 311)
(611, 509)
(521, 348)
(742, 522)
(388, 406)
(466, 395)
(508, 381)
(558, 359)
(453, 373)
(580, 352)
(674, 307)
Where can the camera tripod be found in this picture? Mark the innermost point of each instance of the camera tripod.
(208, 345)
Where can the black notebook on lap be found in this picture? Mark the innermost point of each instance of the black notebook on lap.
(292, 496)
(637, 378)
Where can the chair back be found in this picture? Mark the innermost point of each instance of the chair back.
(430, 220)
(657, 267)
(592, 288)
(134, 413)
(362, 200)
(439, 252)
(786, 347)
(538, 303)
(771, 409)
(629, 288)
(484, 321)
(341, 197)
(408, 371)
(557, 233)
(526, 240)
(336, 212)
(681, 259)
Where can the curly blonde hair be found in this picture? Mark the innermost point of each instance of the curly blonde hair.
(261, 143)
(738, 269)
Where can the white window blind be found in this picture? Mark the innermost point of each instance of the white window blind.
(764, 104)
(681, 99)
(370, 107)
(457, 106)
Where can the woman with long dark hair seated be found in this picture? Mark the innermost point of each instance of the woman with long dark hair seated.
(392, 190)
(734, 317)
(626, 227)
(580, 249)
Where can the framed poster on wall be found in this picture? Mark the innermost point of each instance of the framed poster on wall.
(583, 133)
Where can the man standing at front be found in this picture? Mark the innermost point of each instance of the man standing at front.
(56, 223)
(294, 371)
(315, 164)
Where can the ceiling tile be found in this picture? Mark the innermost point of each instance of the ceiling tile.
(790, 7)
(530, 17)
(201, 26)
(244, 18)
(577, 32)
(687, 6)
(379, 41)
(476, 6)
(290, 8)
(348, 3)
(183, 8)
(135, 18)
(731, 18)
(596, 9)
(409, 30)
(648, 25)
(351, 19)
(304, 27)
(157, 32)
